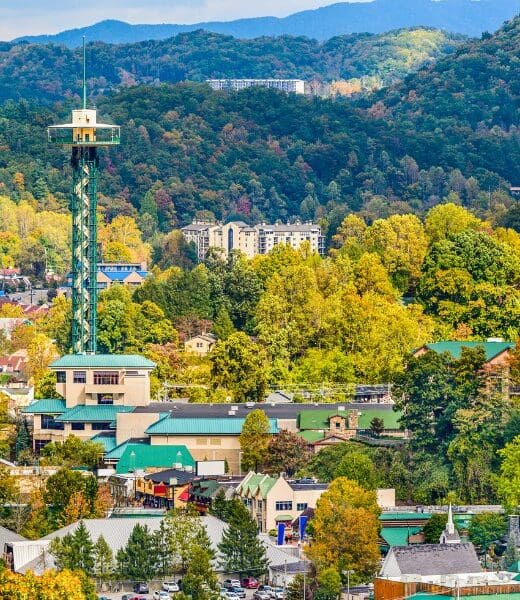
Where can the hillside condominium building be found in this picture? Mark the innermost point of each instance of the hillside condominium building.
(295, 86)
(251, 240)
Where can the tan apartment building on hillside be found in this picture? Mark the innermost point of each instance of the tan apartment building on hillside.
(251, 240)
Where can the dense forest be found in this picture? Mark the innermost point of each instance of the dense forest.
(52, 72)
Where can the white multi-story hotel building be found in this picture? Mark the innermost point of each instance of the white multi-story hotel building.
(251, 241)
(295, 86)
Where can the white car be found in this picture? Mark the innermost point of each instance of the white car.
(170, 586)
(261, 595)
(161, 595)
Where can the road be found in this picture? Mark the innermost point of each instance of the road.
(38, 296)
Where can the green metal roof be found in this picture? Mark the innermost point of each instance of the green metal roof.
(319, 419)
(216, 426)
(515, 567)
(311, 436)
(48, 406)
(257, 482)
(283, 518)
(98, 361)
(92, 414)
(117, 451)
(108, 441)
(398, 536)
(404, 516)
(491, 349)
(143, 456)
(207, 488)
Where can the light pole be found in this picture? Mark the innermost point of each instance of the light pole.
(348, 573)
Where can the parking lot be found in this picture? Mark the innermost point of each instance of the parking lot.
(119, 595)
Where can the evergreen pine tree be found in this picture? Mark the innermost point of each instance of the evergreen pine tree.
(74, 551)
(23, 439)
(242, 552)
(223, 326)
(104, 567)
(161, 550)
(136, 561)
(220, 506)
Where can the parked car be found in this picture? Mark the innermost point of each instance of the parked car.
(229, 583)
(250, 583)
(261, 595)
(141, 588)
(277, 593)
(239, 591)
(170, 586)
(266, 588)
(161, 595)
(127, 596)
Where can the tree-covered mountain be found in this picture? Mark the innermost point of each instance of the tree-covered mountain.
(53, 72)
(463, 16)
(450, 131)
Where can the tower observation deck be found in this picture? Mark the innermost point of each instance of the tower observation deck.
(84, 135)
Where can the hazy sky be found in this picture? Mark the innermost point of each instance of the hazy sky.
(24, 17)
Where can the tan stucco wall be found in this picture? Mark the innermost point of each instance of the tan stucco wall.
(133, 425)
(132, 391)
(191, 346)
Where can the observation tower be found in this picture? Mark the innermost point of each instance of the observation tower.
(84, 135)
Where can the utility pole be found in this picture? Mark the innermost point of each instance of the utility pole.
(84, 135)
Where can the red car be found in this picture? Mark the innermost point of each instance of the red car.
(249, 583)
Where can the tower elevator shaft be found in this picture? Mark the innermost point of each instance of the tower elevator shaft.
(84, 163)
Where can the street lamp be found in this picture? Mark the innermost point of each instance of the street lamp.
(348, 573)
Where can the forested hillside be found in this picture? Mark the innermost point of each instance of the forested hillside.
(53, 72)
(451, 131)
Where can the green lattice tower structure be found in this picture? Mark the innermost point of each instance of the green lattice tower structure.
(84, 135)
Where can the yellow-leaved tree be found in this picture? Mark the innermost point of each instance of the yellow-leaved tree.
(345, 530)
(65, 585)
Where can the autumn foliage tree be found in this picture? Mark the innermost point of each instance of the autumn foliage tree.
(287, 452)
(64, 585)
(345, 530)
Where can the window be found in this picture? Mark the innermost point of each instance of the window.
(201, 441)
(61, 377)
(106, 378)
(79, 377)
(77, 426)
(337, 425)
(284, 505)
(301, 506)
(101, 426)
(39, 444)
(215, 441)
(49, 422)
(105, 398)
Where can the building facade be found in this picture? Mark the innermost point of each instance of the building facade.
(251, 241)
(273, 500)
(294, 86)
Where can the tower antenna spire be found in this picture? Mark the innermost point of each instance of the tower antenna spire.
(84, 76)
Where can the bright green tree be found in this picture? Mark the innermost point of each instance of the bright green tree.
(509, 478)
(358, 467)
(104, 566)
(254, 440)
(239, 365)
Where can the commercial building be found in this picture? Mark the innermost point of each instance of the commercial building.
(108, 274)
(251, 240)
(295, 86)
(273, 500)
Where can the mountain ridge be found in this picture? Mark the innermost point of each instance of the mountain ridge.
(469, 17)
(52, 72)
